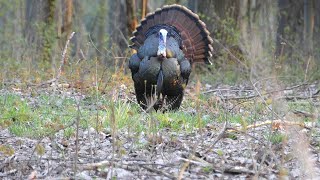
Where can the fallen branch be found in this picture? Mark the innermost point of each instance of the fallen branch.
(95, 166)
(224, 169)
(255, 95)
(304, 114)
(290, 98)
(228, 90)
(168, 175)
(237, 169)
(183, 168)
(276, 124)
(106, 163)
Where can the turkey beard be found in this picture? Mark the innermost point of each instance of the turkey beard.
(164, 73)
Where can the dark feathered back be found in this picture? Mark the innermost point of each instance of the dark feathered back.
(196, 40)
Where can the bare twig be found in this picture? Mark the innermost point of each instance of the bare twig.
(63, 58)
(288, 98)
(77, 137)
(226, 168)
(62, 62)
(263, 100)
(255, 95)
(95, 166)
(304, 114)
(40, 140)
(276, 124)
(113, 126)
(158, 172)
(220, 136)
(91, 41)
(123, 36)
(107, 163)
(183, 169)
(307, 68)
(231, 54)
(230, 129)
(225, 89)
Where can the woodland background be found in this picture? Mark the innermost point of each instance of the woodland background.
(282, 35)
(68, 110)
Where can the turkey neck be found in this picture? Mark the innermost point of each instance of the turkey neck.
(162, 46)
(159, 82)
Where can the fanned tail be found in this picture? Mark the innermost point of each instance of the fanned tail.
(196, 40)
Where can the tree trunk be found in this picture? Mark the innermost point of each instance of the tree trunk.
(282, 4)
(49, 30)
(131, 15)
(308, 26)
(101, 22)
(68, 18)
(144, 8)
(80, 42)
(242, 19)
(41, 13)
(117, 27)
(316, 35)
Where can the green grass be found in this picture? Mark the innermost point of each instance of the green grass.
(44, 114)
(34, 120)
(276, 137)
(177, 121)
(303, 105)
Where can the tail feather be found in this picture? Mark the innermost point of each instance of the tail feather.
(196, 40)
(201, 51)
(200, 45)
(135, 41)
(150, 20)
(163, 16)
(157, 16)
(170, 16)
(149, 24)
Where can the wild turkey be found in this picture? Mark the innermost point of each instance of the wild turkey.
(167, 41)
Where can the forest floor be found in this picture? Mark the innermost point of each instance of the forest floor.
(222, 132)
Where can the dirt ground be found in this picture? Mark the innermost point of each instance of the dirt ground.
(217, 151)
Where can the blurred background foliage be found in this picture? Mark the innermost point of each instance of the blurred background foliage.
(252, 39)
